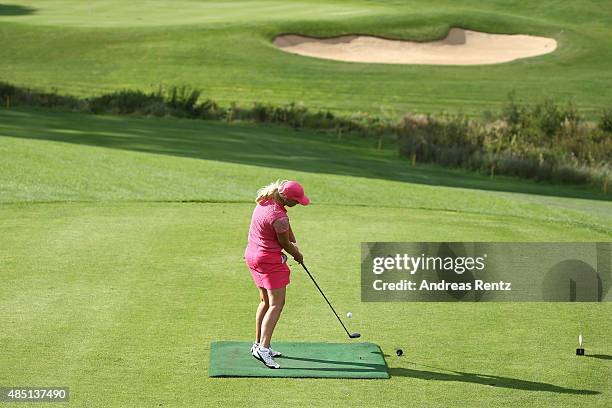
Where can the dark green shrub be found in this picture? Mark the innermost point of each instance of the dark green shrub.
(512, 112)
(183, 100)
(566, 173)
(209, 109)
(548, 116)
(125, 102)
(11, 95)
(605, 122)
(516, 166)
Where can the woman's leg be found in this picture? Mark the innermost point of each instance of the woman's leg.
(261, 311)
(276, 302)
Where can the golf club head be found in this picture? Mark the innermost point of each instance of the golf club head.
(354, 335)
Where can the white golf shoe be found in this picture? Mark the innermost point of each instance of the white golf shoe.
(273, 353)
(265, 357)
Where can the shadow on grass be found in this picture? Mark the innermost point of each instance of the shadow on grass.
(258, 145)
(15, 10)
(485, 379)
(600, 356)
(359, 367)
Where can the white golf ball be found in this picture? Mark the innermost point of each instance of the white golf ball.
(349, 315)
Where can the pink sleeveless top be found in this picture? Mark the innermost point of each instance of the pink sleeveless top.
(263, 246)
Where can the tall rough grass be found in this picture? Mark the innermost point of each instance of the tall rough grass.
(543, 141)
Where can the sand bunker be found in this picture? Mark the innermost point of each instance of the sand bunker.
(460, 47)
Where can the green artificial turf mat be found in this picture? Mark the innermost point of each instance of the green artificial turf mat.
(323, 360)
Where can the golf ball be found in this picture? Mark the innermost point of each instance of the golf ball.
(349, 315)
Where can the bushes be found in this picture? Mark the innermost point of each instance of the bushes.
(11, 95)
(174, 101)
(605, 123)
(187, 102)
(183, 101)
(126, 102)
(543, 141)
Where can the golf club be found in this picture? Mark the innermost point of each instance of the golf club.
(351, 335)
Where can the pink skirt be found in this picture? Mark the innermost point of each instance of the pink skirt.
(269, 275)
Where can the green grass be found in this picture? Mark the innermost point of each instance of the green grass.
(122, 242)
(225, 49)
(121, 238)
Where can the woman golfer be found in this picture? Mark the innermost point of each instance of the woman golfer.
(269, 234)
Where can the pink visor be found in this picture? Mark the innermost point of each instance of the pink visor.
(294, 191)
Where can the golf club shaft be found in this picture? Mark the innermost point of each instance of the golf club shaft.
(325, 297)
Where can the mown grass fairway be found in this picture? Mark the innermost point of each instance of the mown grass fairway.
(225, 49)
(122, 238)
(122, 243)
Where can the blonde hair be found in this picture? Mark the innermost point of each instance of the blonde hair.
(269, 191)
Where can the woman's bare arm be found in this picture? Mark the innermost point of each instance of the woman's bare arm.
(284, 235)
(291, 236)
